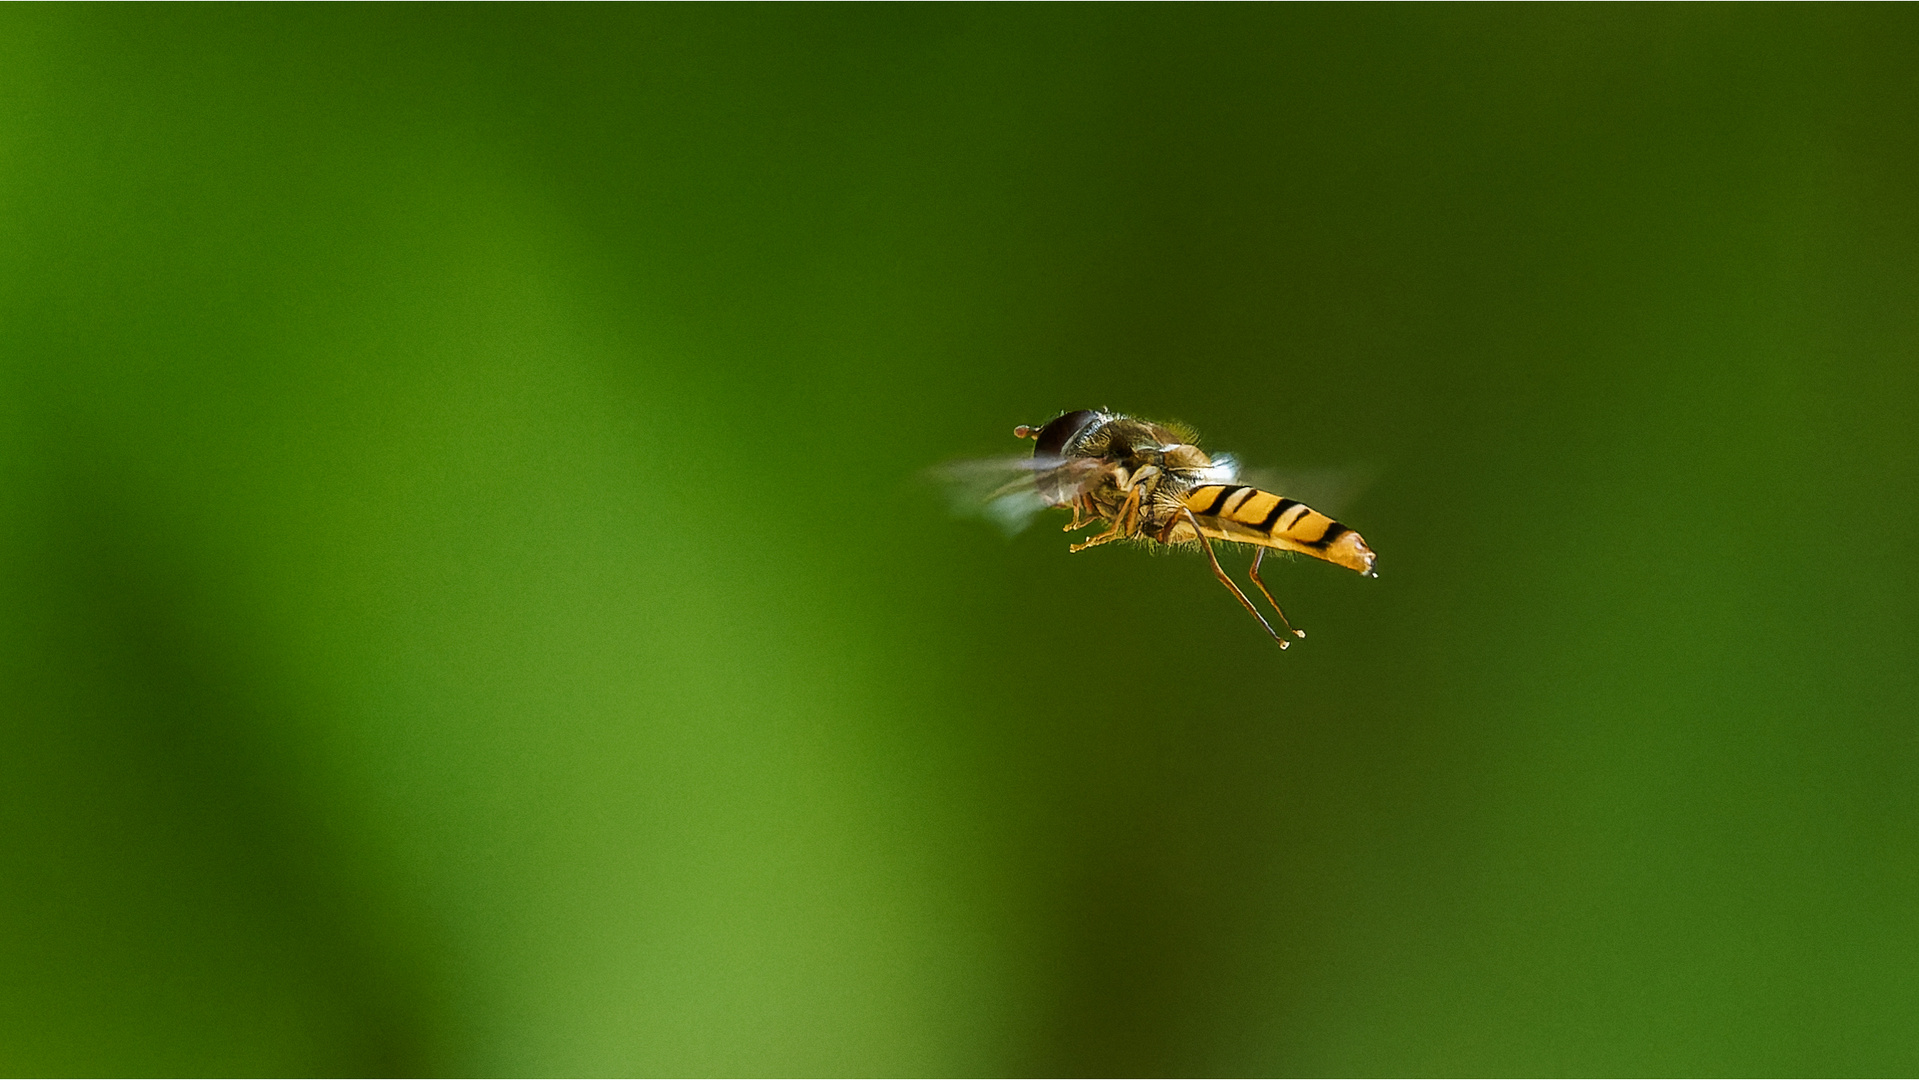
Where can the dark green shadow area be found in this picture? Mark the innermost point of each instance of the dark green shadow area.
(473, 603)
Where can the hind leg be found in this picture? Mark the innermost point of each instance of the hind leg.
(1254, 574)
(1220, 572)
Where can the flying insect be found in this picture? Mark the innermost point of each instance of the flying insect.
(1150, 483)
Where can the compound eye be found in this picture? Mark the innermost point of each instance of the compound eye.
(1062, 430)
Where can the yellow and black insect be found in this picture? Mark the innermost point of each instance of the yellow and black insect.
(1148, 482)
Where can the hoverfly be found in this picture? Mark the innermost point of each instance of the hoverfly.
(1148, 482)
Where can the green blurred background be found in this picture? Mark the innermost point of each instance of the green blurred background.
(472, 604)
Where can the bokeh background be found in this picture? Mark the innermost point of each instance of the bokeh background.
(472, 603)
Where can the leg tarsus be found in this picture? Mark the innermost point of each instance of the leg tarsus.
(1106, 537)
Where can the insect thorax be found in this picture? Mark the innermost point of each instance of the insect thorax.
(1155, 461)
(1144, 469)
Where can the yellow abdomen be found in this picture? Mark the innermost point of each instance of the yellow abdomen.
(1248, 515)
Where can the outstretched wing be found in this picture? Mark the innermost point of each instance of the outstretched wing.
(1332, 490)
(1010, 491)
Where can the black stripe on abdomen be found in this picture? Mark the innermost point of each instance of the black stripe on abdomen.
(1220, 500)
(1272, 516)
(1333, 532)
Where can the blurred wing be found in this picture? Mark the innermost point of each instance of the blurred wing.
(1329, 491)
(1008, 491)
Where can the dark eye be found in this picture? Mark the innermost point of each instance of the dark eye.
(1061, 430)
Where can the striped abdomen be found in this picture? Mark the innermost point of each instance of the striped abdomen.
(1248, 515)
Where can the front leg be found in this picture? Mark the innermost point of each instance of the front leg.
(1106, 537)
(1078, 521)
(1125, 524)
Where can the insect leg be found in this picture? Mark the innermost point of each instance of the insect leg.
(1259, 554)
(1108, 536)
(1125, 524)
(1078, 521)
(1127, 520)
(1113, 532)
(1219, 572)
